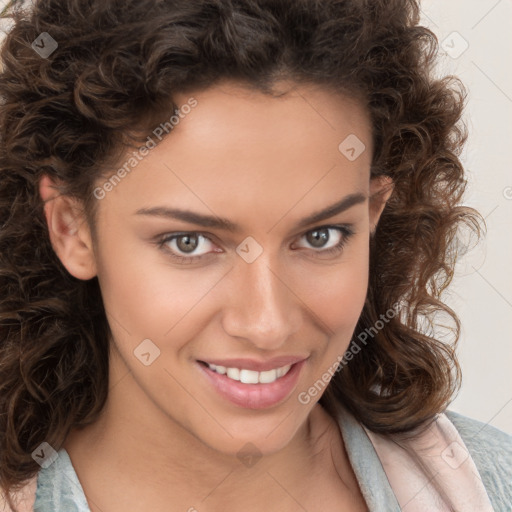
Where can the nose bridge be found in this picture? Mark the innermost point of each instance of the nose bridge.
(262, 308)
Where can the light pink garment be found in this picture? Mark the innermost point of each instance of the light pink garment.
(438, 456)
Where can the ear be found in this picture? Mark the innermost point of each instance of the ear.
(69, 231)
(381, 188)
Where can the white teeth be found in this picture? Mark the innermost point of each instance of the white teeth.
(250, 376)
(233, 373)
(268, 376)
(283, 370)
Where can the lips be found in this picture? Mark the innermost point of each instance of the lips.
(252, 396)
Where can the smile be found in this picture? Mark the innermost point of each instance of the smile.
(249, 376)
(251, 389)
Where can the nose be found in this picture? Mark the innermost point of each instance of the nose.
(262, 307)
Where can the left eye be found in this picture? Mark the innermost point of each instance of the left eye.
(319, 236)
(179, 244)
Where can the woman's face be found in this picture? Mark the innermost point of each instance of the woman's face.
(274, 280)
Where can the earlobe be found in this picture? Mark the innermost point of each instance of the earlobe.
(381, 188)
(69, 232)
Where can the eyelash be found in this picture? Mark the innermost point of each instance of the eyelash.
(345, 229)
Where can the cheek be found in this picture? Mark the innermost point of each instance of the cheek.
(144, 295)
(337, 293)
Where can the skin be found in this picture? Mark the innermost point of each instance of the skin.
(264, 163)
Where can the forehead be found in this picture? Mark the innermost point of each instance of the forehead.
(229, 117)
(241, 151)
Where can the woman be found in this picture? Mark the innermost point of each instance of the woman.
(229, 316)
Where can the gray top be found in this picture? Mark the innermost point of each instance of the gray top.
(59, 490)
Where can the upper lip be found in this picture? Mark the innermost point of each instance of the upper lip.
(254, 364)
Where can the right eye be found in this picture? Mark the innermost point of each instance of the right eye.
(180, 244)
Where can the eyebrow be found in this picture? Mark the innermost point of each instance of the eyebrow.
(209, 221)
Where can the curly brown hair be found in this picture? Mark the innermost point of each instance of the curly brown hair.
(118, 64)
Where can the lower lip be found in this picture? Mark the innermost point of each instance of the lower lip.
(254, 396)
